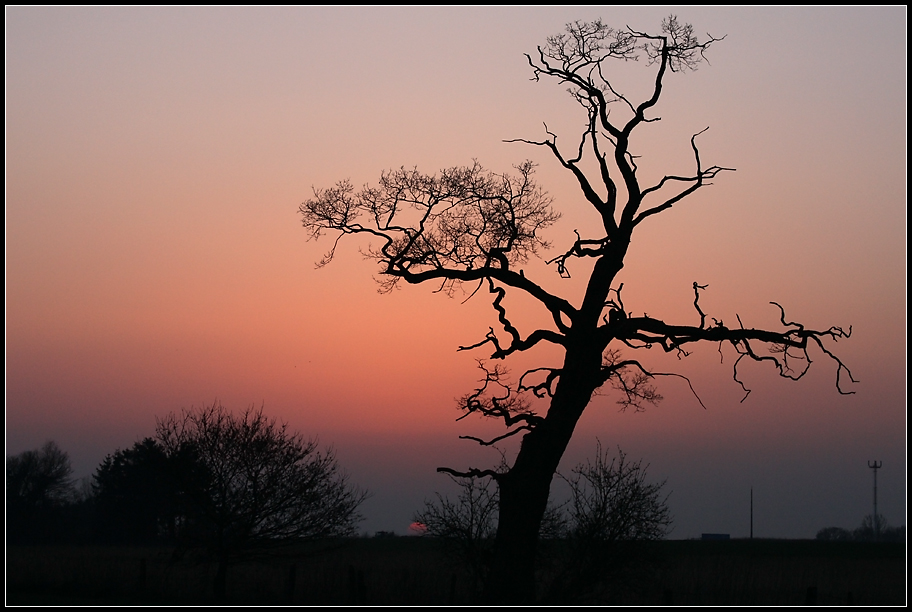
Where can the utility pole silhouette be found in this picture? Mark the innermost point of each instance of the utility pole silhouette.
(752, 513)
(876, 465)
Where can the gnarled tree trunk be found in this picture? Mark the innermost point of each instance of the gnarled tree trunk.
(525, 489)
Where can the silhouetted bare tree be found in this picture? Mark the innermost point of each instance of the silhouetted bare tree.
(38, 486)
(254, 485)
(466, 525)
(877, 529)
(613, 508)
(468, 225)
(40, 477)
(611, 500)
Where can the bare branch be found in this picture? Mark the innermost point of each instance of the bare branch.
(472, 473)
(634, 385)
(699, 180)
(580, 248)
(496, 399)
(795, 337)
(677, 46)
(606, 208)
(464, 225)
(540, 390)
(463, 219)
(697, 303)
(517, 343)
(497, 439)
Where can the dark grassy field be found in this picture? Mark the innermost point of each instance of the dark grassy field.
(415, 571)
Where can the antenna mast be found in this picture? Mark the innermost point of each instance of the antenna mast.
(875, 465)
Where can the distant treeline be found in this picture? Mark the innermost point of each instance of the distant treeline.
(137, 496)
(869, 531)
(208, 479)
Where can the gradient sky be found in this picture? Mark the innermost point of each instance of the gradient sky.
(156, 157)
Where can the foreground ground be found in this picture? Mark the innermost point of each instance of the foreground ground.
(413, 571)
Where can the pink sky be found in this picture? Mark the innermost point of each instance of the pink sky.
(155, 261)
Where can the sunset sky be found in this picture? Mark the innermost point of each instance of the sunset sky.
(155, 259)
